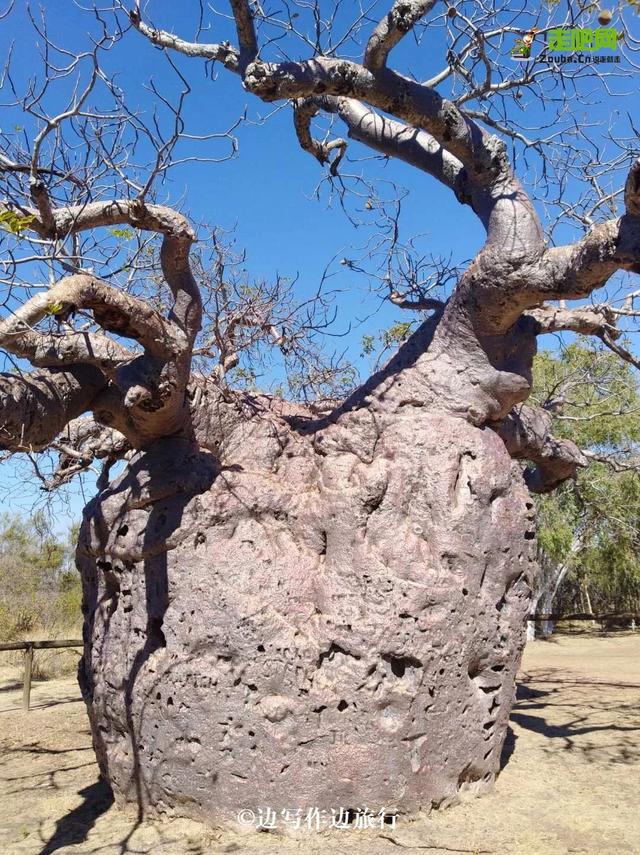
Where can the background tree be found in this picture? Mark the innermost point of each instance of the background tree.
(39, 587)
(588, 529)
(368, 562)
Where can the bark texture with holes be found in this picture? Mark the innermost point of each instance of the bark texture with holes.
(327, 613)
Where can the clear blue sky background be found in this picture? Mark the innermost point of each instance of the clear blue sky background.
(266, 192)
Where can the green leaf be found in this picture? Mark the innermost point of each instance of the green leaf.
(368, 345)
(397, 333)
(14, 223)
(125, 234)
(54, 308)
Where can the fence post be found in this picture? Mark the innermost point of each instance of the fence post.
(28, 667)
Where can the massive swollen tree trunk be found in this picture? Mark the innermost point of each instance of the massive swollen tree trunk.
(326, 613)
(292, 609)
(323, 612)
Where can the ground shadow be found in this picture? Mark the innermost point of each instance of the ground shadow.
(75, 826)
(508, 747)
(43, 706)
(581, 705)
(526, 693)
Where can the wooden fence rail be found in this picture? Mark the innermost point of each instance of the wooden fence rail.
(29, 647)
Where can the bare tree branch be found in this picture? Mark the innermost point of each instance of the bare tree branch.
(591, 320)
(246, 32)
(223, 52)
(174, 254)
(615, 461)
(421, 107)
(526, 433)
(81, 444)
(574, 271)
(402, 17)
(115, 310)
(35, 407)
(303, 113)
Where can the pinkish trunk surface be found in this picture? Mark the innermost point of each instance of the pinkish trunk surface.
(334, 619)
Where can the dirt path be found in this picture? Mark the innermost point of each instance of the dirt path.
(571, 783)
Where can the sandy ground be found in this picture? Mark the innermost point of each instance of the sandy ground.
(570, 782)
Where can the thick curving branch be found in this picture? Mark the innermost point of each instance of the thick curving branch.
(56, 350)
(178, 237)
(401, 19)
(303, 113)
(246, 32)
(395, 139)
(426, 304)
(574, 271)
(450, 136)
(526, 433)
(146, 395)
(599, 321)
(82, 443)
(115, 310)
(34, 408)
(505, 210)
(484, 155)
(567, 272)
(584, 320)
(418, 105)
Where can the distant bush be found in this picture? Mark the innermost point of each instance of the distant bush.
(40, 591)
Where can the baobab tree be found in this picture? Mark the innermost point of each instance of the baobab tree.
(309, 604)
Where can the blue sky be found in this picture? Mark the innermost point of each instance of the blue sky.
(266, 192)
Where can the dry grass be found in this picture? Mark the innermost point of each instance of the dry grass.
(47, 664)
